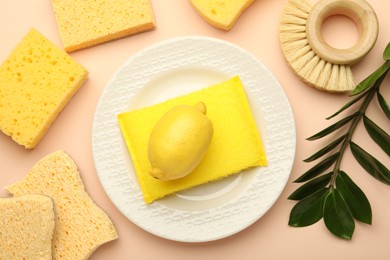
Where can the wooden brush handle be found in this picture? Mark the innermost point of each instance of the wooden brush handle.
(360, 12)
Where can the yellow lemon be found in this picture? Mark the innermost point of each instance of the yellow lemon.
(179, 141)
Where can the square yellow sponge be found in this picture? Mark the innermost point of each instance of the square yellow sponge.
(90, 22)
(236, 143)
(27, 227)
(36, 82)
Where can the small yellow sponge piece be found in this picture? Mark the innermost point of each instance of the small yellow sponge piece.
(37, 81)
(221, 13)
(27, 227)
(236, 143)
(81, 226)
(86, 23)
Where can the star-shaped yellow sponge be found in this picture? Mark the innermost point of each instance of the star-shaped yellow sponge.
(90, 22)
(236, 143)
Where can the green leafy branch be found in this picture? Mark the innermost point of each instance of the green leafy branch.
(333, 196)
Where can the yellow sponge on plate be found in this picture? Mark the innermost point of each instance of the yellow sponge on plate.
(236, 143)
(36, 82)
(221, 13)
(90, 22)
(27, 227)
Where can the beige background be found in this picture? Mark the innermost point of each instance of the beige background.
(256, 31)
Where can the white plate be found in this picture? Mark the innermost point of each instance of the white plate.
(175, 67)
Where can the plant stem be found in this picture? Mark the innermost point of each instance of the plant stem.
(358, 116)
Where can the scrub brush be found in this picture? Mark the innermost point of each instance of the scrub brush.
(310, 57)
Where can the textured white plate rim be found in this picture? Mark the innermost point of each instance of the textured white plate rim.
(223, 220)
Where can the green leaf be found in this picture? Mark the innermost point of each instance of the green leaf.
(337, 217)
(384, 105)
(355, 198)
(309, 210)
(318, 168)
(370, 80)
(386, 53)
(311, 187)
(350, 103)
(326, 149)
(370, 164)
(333, 127)
(377, 134)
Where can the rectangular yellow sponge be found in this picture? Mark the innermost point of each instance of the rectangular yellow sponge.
(90, 22)
(236, 143)
(27, 227)
(37, 81)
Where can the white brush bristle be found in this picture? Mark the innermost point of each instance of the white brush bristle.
(302, 5)
(305, 63)
(293, 28)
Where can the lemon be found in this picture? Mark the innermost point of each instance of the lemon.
(179, 141)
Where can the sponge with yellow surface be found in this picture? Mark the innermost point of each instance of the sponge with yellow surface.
(81, 225)
(221, 13)
(27, 227)
(90, 22)
(236, 143)
(36, 82)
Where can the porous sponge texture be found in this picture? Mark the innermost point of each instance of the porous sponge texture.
(222, 14)
(90, 22)
(81, 226)
(37, 81)
(236, 144)
(27, 226)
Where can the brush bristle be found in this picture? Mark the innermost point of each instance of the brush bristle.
(296, 49)
(311, 74)
(292, 28)
(295, 20)
(302, 5)
(305, 63)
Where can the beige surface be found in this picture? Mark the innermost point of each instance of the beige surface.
(256, 31)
